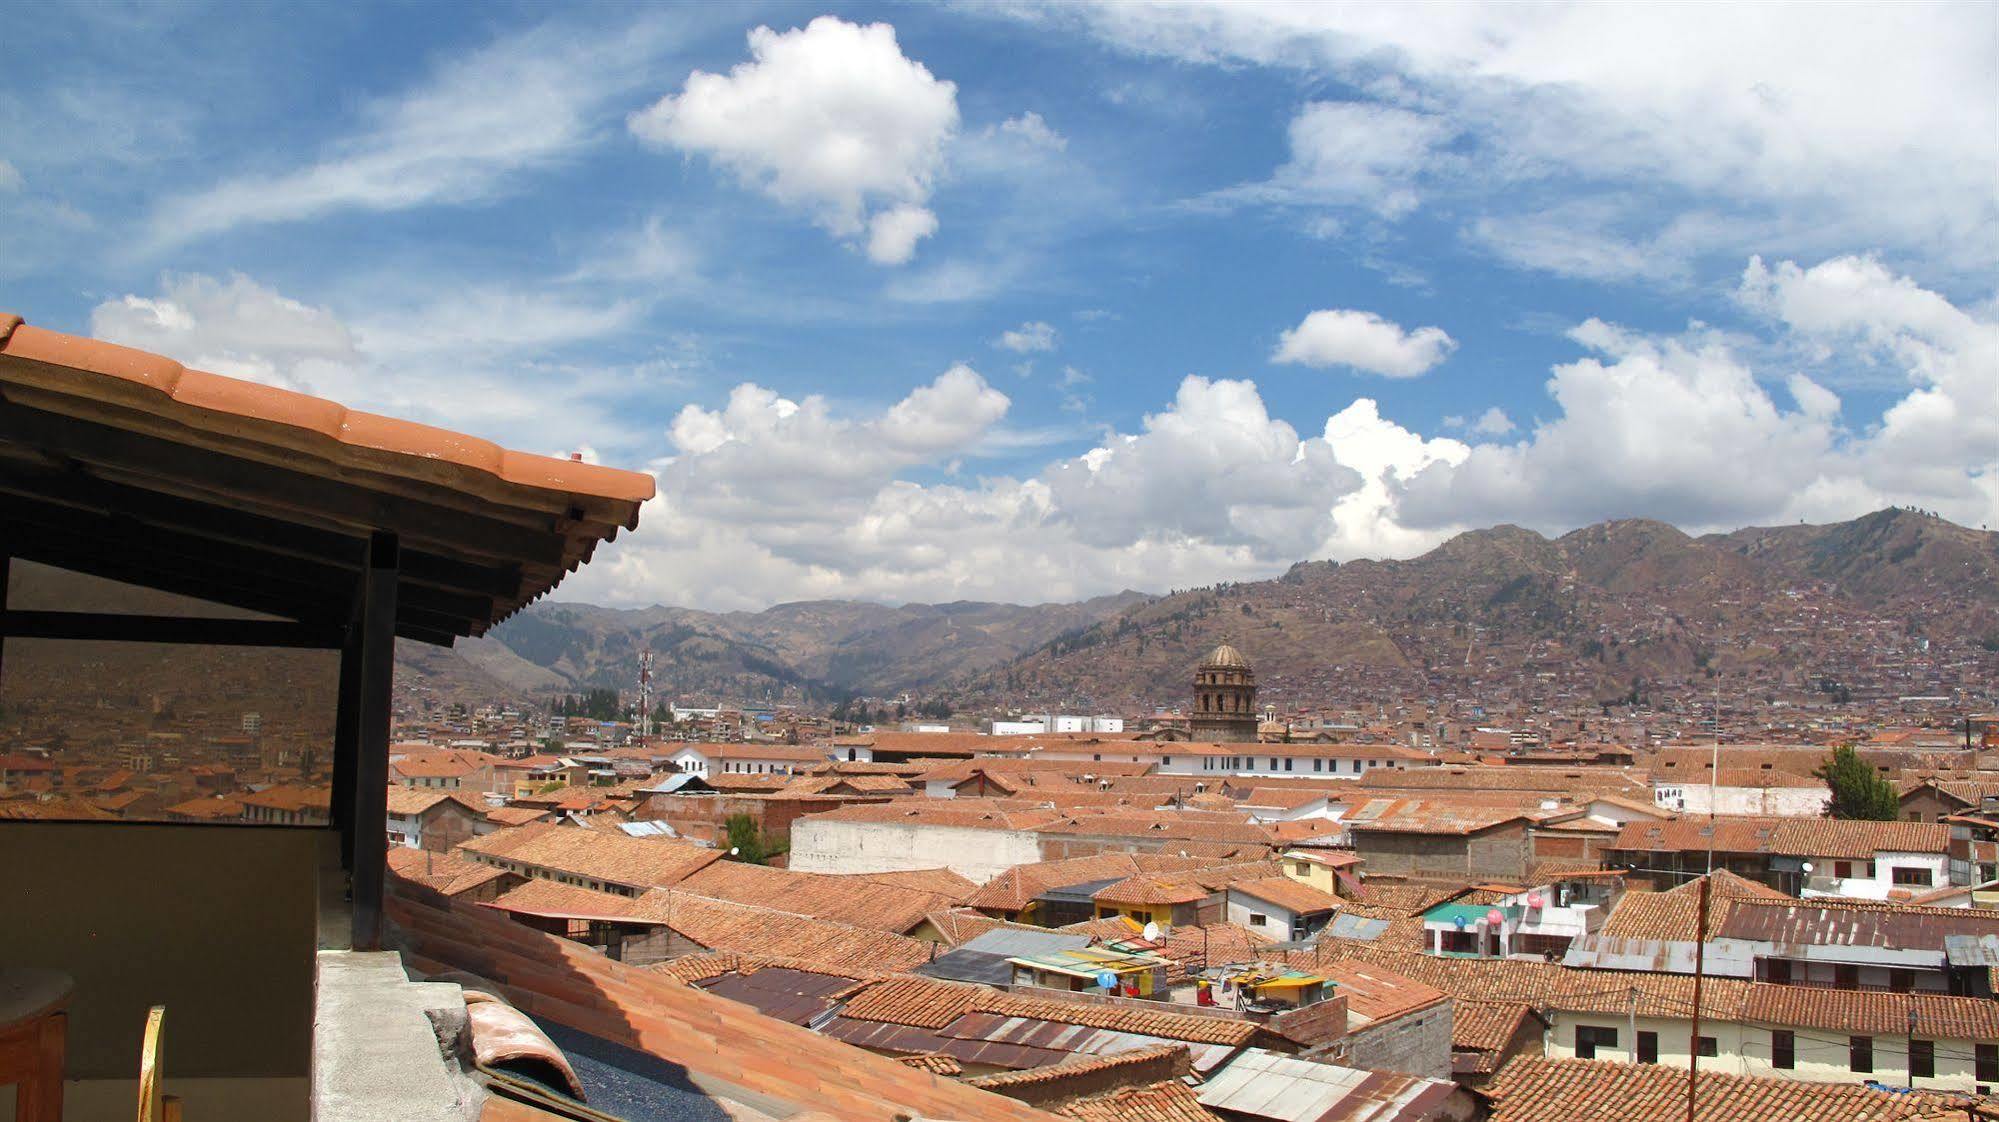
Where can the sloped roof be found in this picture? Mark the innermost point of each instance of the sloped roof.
(280, 491)
(1536, 1090)
(740, 1050)
(598, 854)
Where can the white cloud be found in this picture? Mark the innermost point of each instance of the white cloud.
(1033, 335)
(1492, 422)
(1683, 427)
(1349, 153)
(10, 177)
(1031, 129)
(893, 234)
(235, 327)
(483, 119)
(1807, 128)
(768, 498)
(487, 360)
(831, 119)
(1364, 341)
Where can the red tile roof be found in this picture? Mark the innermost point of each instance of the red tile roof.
(1536, 1090)
(720, 1043)
(157, 382)
(604, 855)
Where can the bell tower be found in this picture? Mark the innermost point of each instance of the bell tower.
(1224, 698)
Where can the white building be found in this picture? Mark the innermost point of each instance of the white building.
(1749, 791)
(1325, 761)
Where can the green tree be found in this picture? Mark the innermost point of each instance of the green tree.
(1858, 791)
(748, 843)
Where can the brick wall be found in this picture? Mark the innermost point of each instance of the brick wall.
(1418, 1044)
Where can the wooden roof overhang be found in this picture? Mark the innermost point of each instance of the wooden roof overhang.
(127, 465)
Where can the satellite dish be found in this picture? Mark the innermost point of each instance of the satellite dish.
(1151, 933)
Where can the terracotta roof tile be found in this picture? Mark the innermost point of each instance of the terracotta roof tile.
(215, 394)
(738, 1047)
(446, 873)
(728, 926)
(604, 855)
(1537, 1090)
(862, 900)
(1166, 1101)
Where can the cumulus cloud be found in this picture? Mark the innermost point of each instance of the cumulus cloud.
(831, 119)
(1363, 341)
(1685, 427)
(767, 498)
(1033, 335)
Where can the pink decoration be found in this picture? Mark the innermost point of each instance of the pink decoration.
(1494, 917)
(1533, 899)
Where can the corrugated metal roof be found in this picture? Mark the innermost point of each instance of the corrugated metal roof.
(1265, 1085)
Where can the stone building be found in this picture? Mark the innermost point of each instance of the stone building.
(1224, 699)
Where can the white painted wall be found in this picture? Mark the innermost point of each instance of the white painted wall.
(1778, 802)
(834, 846)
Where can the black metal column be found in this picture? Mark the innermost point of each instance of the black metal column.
(347, 735)
(371, 761)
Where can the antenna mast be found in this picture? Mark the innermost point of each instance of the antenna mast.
(645, 696)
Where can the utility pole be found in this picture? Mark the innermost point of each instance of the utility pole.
(1634, 1024)
(1700, 963)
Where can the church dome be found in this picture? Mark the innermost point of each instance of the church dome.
(1225, 657)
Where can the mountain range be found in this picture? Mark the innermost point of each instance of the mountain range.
(1622, 601)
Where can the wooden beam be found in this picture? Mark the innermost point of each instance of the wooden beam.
(320, 499)
(371, 761)
(304, 582)
(347, 742)
(95, 563)
(214, 631)
(77, 489)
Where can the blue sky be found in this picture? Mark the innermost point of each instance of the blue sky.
(1032, 301)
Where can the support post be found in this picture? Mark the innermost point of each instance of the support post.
(371, 762)
(1700, 963)
(6, 563)
(347, 736)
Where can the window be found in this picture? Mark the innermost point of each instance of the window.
(1287, 763)
(1706, 1047)
(1842, 869)
(1922, 1059)
(1356, 767)
(1901, 981)
(1648, 1047)
(1912, 875)
(1784, 1049)
(1318, 765)
(1591, 1037)
(1258, 919)
(1273, 763)
(1987, 1063)
(1167, 762)
(1302, 868)
(1778, 971)
(1860, 1053)
(1846, 977)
